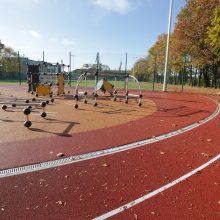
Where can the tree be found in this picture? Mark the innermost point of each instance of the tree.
(9, 61)
(214, 32)
(190, 36)
(191, 30)
(156, 58)
(140, 69)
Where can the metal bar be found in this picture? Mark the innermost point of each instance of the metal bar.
(19, 104)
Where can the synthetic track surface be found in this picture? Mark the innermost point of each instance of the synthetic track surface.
(91, 188)
(174, 111)
(105, 152)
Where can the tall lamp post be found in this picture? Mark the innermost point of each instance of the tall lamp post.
(70, 57)
(167, 48)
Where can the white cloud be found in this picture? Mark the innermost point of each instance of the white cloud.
(35, 34)
(68, 42)
(119, 6)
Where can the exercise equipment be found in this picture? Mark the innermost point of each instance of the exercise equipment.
(104, 85)
(28, 107)
(27, 112)
(60, 84)
(43, 76)
(43, 89)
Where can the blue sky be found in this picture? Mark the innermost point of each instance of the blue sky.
(84, 27)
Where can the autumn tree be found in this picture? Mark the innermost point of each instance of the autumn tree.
(140, 69)
(190, 36)
(9, 63)
(214, 32)
(156, 57)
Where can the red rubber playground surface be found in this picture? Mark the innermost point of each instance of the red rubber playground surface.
(162, 166)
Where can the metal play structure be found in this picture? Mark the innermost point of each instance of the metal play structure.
(26, 105)
(43, 76)
(104, 85)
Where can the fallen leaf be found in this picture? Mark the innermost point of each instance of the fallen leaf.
(61, 203)
(105, 165)
(206, 155)
(60, 154)
(113, 190)
(209, 140)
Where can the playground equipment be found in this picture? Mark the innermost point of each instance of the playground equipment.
(27, 105)
(43, 76)
(104, 85)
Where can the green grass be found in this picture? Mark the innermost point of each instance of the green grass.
(120, 85)
(13, 82)
(91, 83)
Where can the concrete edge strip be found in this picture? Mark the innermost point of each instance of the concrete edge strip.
(155, 192)
(101, 153)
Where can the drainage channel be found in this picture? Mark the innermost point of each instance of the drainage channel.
(105, 152)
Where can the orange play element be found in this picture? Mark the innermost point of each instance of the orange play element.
(43, 90)
(105, 85)
(60, 80)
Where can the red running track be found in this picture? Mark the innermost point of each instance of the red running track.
(175, 111)
(91, 188)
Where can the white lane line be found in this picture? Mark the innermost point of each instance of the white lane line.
(101, 153)
(155, 192)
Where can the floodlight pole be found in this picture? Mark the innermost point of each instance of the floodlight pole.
(70, 70)
(167, 49)
(19, 68)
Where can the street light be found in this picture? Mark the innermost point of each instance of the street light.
(167, 49)
(70, 56)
